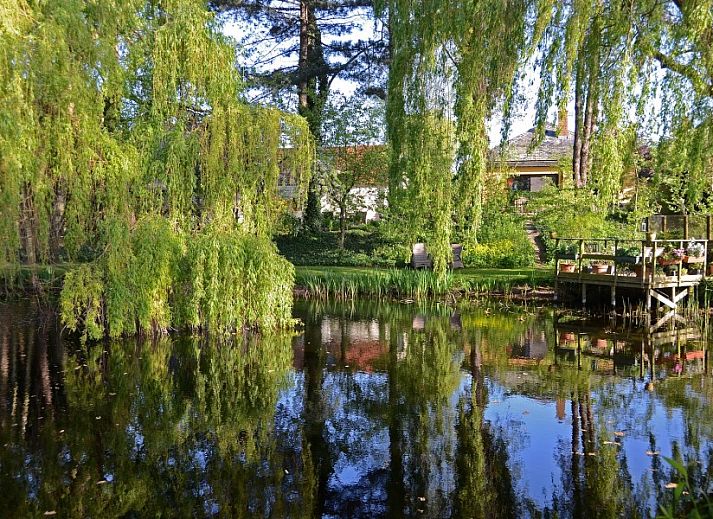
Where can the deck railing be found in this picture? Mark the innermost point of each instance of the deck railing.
(610, 252)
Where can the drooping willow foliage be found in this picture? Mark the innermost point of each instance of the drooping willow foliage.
(639, 72)
(125, 148)
(452, 64)
(641, 75)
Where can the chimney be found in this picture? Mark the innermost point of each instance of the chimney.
(562, 129)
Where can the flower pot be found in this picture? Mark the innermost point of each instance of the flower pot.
(567, 337)
(600, 268)
(693, 259)
(666, 261)
(651, 236)
(566, 267)
(638, 270)
(600, 344)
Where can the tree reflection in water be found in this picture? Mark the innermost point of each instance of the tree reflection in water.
(389, 410)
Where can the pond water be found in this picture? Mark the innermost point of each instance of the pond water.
(368, 411)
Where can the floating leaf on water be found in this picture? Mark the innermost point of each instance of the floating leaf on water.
(98, 417)
(102, 482)
(652, 453)
(421, 498)
(287, 471)
(61, 431)
(611, 443)
(50, 512)
(591, 454)
(112, 394)
(618, 433)
(671, 485)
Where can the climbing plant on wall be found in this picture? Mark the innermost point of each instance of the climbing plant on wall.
(125, 147)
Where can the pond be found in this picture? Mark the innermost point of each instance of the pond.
(368, 411)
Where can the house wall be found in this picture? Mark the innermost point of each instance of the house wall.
(368, 200)
(538, 175)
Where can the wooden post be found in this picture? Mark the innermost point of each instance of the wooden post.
(584, 294)
(613, 296)
(685, 227)
(709, 221)
(648, 299)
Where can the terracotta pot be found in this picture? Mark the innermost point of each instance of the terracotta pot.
(599, 268)
(567, 336)
(692, 259)
(664, 262)
(600, 344)
(566, 267)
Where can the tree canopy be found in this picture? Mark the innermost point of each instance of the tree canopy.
(125, 147)
(635, 71)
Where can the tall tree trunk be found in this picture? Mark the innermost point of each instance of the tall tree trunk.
(342, 223)
(28, 238)
(578, 97)
(312, 90)
(591, 107)
(57, 222)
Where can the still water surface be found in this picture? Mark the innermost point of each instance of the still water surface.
(369, 411)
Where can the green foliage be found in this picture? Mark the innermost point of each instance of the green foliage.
(81, 305)
(233, 280)
(503, 242)
(468, 54)
(351, 283)
(688, 500)
(122, 135)
(368, 246)
(575, 213)
(150, 279)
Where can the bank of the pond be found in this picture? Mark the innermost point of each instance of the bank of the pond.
(350, 282)
(322, 282)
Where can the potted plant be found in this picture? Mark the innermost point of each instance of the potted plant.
(627, 255)
(670, 256)
(695, 252)
(570, 251)
(567, 267)
(600, 268)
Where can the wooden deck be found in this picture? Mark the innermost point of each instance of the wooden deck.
(632, 264)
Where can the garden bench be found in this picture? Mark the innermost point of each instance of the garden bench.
(420, 259)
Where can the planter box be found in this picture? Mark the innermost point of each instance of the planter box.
(628, 260)
(567, 267)
(693, 259)
(600, 269)
(665, 262)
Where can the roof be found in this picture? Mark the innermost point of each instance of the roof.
(549, 152)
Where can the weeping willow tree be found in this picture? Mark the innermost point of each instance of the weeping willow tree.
(636, 71)
(125, 148)
(453, 65)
